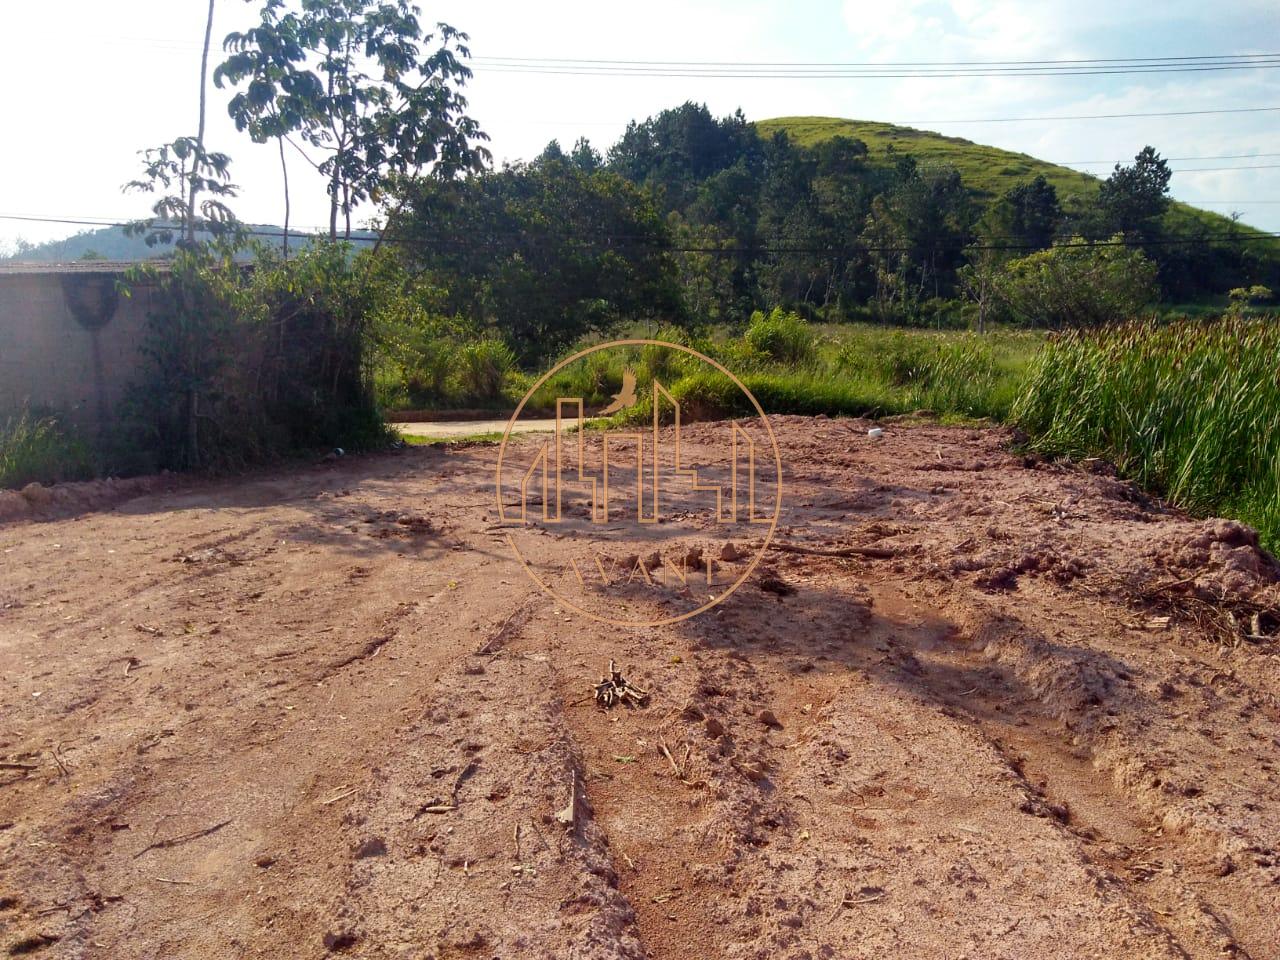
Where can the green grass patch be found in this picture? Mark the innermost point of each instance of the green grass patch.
(418, 441)
(839, 370)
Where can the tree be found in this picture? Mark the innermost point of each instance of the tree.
(16, 249)
(185, 168)
(586, 157)
(1078, 284)
(979, 280)
(790, 272)
(204, 99)
(676, 150)
(541, 253)
(277, 100)
(916, 234)
(352, 79)
(1134, 196)
(180, 171)
(1031, 213)
(552, 151)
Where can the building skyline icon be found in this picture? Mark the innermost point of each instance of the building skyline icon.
(565, 458)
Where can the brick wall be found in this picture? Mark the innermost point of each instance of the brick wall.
(49, 355)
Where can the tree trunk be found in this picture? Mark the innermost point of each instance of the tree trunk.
(284, 171)
(333, 206)
(195, 169)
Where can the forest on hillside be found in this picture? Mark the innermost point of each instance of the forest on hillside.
(703, 219)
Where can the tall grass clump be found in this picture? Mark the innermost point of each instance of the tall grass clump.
(40, 449)
(1188, 409)
(781, 337)
(484, 367)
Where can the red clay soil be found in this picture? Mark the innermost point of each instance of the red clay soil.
(324, 713)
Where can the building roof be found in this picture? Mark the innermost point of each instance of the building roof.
(77, 266)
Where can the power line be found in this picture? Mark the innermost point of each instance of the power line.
(1225, 156)
(864, 75)
(125, 221)
(1256, 166)
(1109, 62)
(886, 63)
(871, 70)
(492, 240)
(833, 121)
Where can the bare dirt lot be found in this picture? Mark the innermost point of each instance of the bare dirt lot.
(323, 712)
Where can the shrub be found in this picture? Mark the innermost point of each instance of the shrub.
(244, 367)
(782, 337)
(1077, 284)
(1243, 300)
(662, 363)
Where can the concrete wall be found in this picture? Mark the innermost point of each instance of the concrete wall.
(68, 342)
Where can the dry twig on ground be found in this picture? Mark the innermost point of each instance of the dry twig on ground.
(614, 689)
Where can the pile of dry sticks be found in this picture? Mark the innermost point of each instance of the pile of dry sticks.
(613, 689)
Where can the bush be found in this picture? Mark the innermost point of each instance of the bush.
(1244, 300)
(483, 368)
(1077, 284)
(662, 363)
(897, 360)
(41, 450)
(245, 367)
(951, 374)
(781, 337)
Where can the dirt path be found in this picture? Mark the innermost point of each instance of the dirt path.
(324, 712)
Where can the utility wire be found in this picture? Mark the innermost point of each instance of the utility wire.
(834, 121)
(179, 43)
(495, 240)
(860, 75)
(872, 70)
(1254, 166)
(1224, 156)
(887, 63)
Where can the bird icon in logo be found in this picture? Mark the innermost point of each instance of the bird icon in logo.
(624, 398)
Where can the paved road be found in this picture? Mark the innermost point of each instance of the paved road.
(467, 428)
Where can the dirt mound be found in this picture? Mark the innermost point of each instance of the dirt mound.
(39, 502)
(1224, 559)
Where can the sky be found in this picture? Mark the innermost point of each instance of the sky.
(89, 83)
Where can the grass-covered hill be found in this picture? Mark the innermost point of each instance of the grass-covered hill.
(112, 243)
(987, 171)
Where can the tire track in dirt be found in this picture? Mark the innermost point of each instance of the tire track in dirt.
(654, 819)
(866, 766)
(1065, 783)
(762, 840)
(211, 717)
(472, 856)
